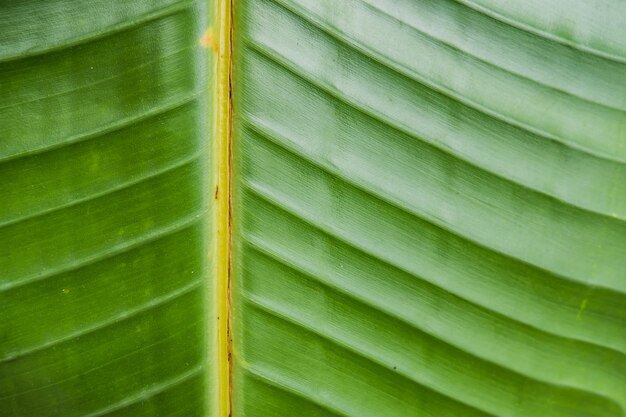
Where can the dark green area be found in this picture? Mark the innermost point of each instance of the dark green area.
(105, 298)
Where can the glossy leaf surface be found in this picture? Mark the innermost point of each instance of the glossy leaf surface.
(429, 209)
(421, 202)
(105, 291)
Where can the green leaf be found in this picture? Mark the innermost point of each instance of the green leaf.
(398, 207)
(105, 292)
(428, 215)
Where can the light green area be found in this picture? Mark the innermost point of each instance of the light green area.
(105, 295)
(428, 213)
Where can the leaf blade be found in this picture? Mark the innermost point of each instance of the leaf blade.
(348, 162)
(106, 293)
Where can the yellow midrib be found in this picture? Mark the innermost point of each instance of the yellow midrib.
(222, 133)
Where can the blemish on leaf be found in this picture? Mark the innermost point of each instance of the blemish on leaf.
(207, 40)
(583, 306)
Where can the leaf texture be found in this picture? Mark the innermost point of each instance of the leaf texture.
(105, 290)
(427, 216)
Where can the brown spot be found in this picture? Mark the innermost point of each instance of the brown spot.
(208, 40)
(217, 189)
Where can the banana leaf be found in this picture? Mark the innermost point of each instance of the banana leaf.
(429, 208)
(106, 301)
(312, 208)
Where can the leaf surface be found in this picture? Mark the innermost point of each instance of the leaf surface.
(427, 210)
(106, 295)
